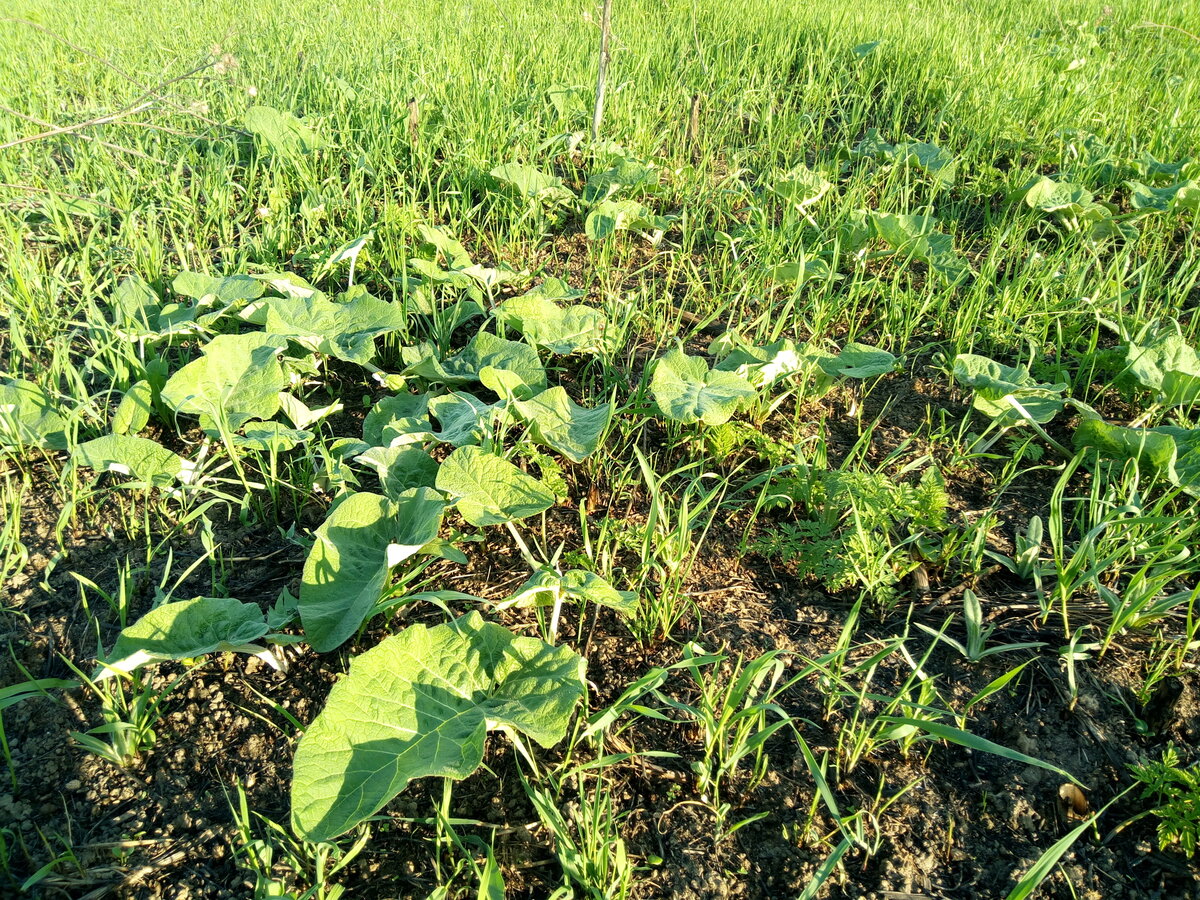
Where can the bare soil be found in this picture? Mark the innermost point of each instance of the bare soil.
(954, 823)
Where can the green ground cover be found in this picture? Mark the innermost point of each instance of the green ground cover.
(787, 492)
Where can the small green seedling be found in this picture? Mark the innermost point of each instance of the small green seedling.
(1176, 792)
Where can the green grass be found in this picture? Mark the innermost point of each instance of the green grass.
(828, 475)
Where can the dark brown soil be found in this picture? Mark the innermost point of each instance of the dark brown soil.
(939, 821)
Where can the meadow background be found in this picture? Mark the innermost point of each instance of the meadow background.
(799, 702)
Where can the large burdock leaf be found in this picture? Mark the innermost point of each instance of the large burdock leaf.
(463, 417)
(533, 184)
(208, 290)
(355, 550)
(998, 387)
(559, 423)
(401, 468)
(398, 420)
(345, 330)
(1187, 197)
(546, 324)
(546, 587)
(611, 216)
(238, 378)
(135, 309)
(420, 704)
(1076, 210)
(939, 163)
(139, 457)
(28, 417)
(281, 132)
(1173, 452)
(215, 297)
(187, 629)
(438, 243)
(135, 409)
(767, 365)
(1160, 359)
(273, 437)
(917, 237)
(801, 186)
(687, 391)
(858, 361)
(488, 351)
(1145, 197)
(802, 272)
(490, 490)
(1061, 197)
(485, 351)
(627, 175)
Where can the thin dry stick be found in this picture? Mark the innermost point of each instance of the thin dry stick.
(602, 68)
(154, 126)
(41, 190)
(1194, 37)
(87, 137)
(79, 126)
(692, 138)
(144, 102)
(414, 118)
(141, 86)
(962, 586)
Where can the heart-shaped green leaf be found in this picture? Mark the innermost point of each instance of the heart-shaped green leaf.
(187, 629)
(997, 387)
(1062, 197)
(1173, 452)
(1160, 359)
(687, 391)
(800, 186)
(345, 330)
(611, 216)
(546, 324)
(29, 418)
(355, 550)
(761, 366)
(463, 417)
(237, 378)
(401, 468)
(420, 704)
(281, 132)
(489, 490)
(208, 290)
(271, 436)
(533, 184)
(135, 308)
(133, 412)
(859, 361)
(398, 420)
(546, 586)
(483, 351)
(139, 457)
(556, 421)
